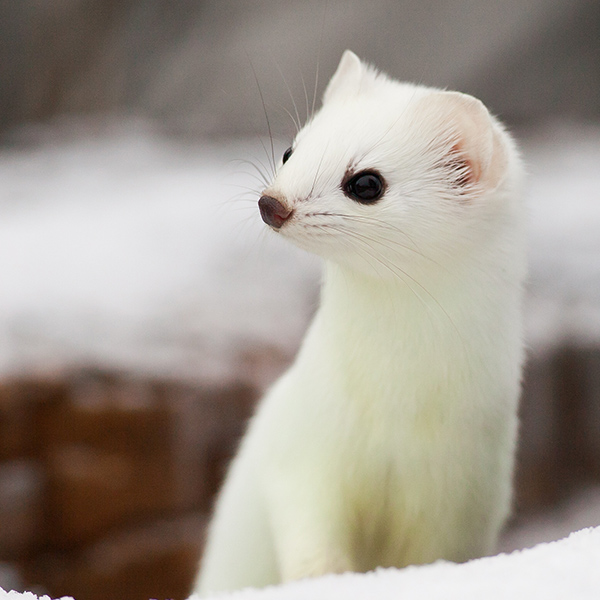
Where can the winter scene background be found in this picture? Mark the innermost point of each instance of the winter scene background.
(144, 308)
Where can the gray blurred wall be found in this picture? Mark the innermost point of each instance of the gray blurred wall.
(195, 62)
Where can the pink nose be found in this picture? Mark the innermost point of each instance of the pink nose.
(273, 213)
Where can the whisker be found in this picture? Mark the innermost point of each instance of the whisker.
(247, 190)
(394, 269)
(365, 240)
(318, 169)
(292, 118)
(262, 99)
(259, 180)
(392, 228)
(255, 179)
(323, 20)
(308, 115)
(396, 273)
(379, 223)
(263, 177)
(297, 121)
(391, 244)
(314, 100)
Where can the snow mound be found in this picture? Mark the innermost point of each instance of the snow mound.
(23, 596)
(123, 247)
(553, 571)
(568, 568)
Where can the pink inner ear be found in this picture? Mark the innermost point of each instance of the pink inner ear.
(463, 171)
(461, 166)
(474, 155)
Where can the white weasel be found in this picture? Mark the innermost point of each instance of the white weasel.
(390, 440)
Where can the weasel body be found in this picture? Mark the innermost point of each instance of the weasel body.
(390, 440)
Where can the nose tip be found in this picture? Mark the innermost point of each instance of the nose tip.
(273, 212)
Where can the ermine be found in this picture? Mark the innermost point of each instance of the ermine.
(390, 440)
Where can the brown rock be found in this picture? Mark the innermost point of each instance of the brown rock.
(207, 425)
(115, 451)
(116, 414)
(21, 487)
(10, 577)
(158, 560)
(92, 490)
(22, 404)
(124, 449)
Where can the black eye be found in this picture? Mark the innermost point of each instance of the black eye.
(365, 187)
(287, 154)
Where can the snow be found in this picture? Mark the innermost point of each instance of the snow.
(123, 246)
(10, 595)
(554, 571)
(564, 287)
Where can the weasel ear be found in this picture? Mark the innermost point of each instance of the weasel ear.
(473, 141)
(346, 79)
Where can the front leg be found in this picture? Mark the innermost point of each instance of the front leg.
(310, 533)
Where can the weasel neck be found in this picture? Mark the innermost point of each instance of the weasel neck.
(387, 305)
(414, 321)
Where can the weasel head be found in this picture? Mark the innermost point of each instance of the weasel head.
(388, 175)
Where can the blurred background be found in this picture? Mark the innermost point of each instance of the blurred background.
(143, 306)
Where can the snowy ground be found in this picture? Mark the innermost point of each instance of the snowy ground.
(556, 571)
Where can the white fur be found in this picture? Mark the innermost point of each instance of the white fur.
(390, 440)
